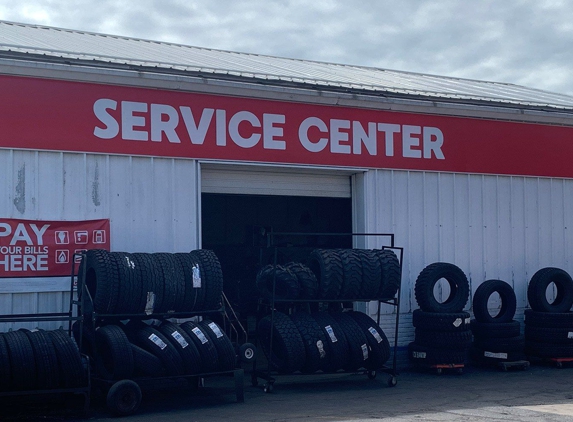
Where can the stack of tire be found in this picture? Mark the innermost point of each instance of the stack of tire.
(137, 283)
(442, 329)
(497, 338)
(334, 274)
(549, 325)
(40, 360)
(322, 341)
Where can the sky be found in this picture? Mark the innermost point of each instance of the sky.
(525, 42)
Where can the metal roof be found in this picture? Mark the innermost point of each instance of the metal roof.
(35, 42)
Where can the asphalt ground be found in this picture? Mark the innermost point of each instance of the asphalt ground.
(540, 393)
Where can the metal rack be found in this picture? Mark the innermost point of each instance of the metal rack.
(267, 374)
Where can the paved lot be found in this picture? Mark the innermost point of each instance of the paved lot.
(541, 393)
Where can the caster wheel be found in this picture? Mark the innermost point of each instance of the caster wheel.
(371, 375)
(247, 352)
(268, 388)
(123, 398)
(392, 381)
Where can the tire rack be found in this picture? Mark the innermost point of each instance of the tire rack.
(267, 374)
(51, 317)
(237, 373)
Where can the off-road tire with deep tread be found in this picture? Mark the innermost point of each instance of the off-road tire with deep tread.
(351, 274)
(286, 285)
(391, 274)
(102, 280)
(212, 276)
(359, 351)
(481, 298)
(206, 349)
(456, 321)
(306, 279)
(314, 339)
(114, 358)
(536, 290)
(371, 274)
(427, 279)
(482, 330)
(336, 345)
(377, 340)
(327, 267)
(225, 351)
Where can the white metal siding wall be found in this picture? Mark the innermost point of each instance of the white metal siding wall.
(492, 227)
(151, 203)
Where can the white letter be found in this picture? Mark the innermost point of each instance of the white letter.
(5, 229)
(270, 131)
(236, 137)
(129, 121)
(159, 126)
(336, 136)
(39, 233)
(408, 141)
(197, 133)
(221, 126)
(389, 130)
(359, 136)
(21, 234)
(303, 134)
(433, 141)
(111, 126)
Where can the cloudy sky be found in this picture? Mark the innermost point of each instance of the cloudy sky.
(526, 42)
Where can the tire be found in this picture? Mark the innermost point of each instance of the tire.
(359, 352)
(314, 340)
(204, 345)
(184, 346)
(288, 351)
(548, 350)
(47, 373)
(152, 340)
(429, 356)
(102, 280)
(536, 291)
(129, 283)
(173, 282)
(336, 344)
(482, 330)
(377, 340)
(152, 283)
(146, 364)
(327, 267)
(457, 321)
(546, 319)
(371, 273)
(509, 344)
(506, 295)
(22, 362)
(71, 369)
(286, 284)
(123, 398)
(455, 340)
(194, 289)
(306, 279)
(114, 358)
(549, 334)
(225, 351)
(489, 357)
(5, 365)
(351, 274)
(210, 274)
(427, 279)
(391, 274)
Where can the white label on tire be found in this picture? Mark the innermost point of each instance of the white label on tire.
(320, 348)
(177, 336)
(375, 334)
(467, 321)
(495, 355)
(130, 263)
(569, 334)
(200, 335)
(215, 329)
(419, 355)
(160, 343)
(364, 351)
(196, 277)
(330, 332)
(457, 322)
(150, 304)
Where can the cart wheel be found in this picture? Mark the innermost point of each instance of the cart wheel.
(123, 398)
(392, 381)
(371, 375)
(268, 388)
(247, 352)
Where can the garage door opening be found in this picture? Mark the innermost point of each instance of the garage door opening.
(235, 227)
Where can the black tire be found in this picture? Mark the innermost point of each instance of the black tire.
(129, 291)
(419, 354)
(508, 344)
(306, 280)
(391, 274)
(204, 345)
(506, 295)
(47, 372)
(549, 334)
(327, 267)
(184, 346)
(152, 283)
(456, 321)
(102, 280)
(351, 274)
(483, 330)
(71, 369)
(314, 340)
(5, 365)
(377, 340)
(489, 357)
(146, 364)
(225, 351)
(286, 284)
(212, 276)
(114, 358)
(371, 273)
(152, 340)
(23, 364)
(359, 352)
(457, 280)
(288, 351)
(174, 282)
(123, 398)
(548, 350)
(336, 344)
(547, 319)
(536, 291)
(455, 340)
(194, 288)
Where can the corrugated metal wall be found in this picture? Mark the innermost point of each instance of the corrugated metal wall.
(151, 203)
(492, 227)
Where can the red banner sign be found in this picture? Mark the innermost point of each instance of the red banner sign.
(73, 116)
(31, 248)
